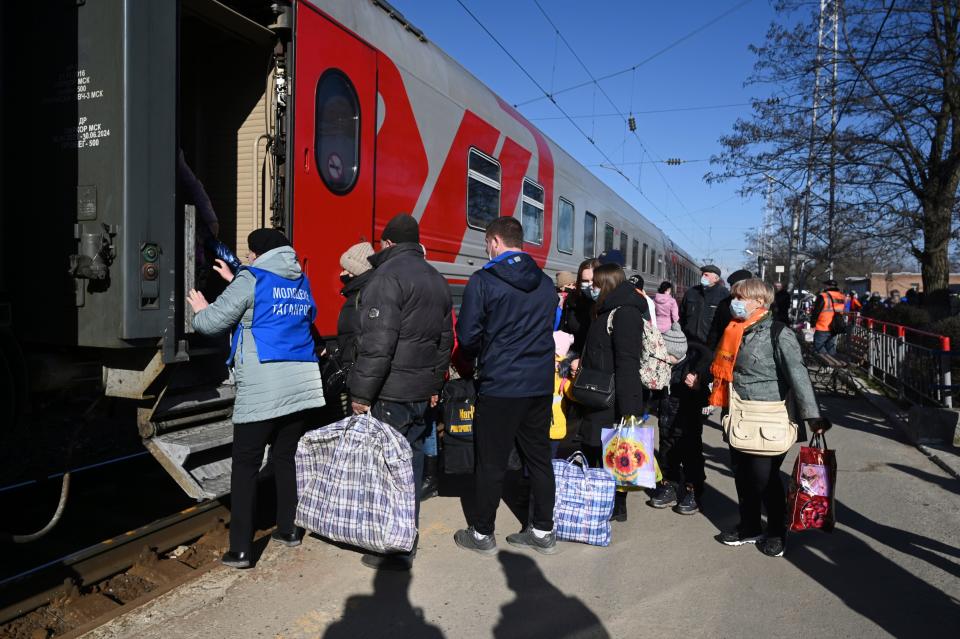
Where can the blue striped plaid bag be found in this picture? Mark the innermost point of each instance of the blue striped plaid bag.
(355, 485)
(584, 501)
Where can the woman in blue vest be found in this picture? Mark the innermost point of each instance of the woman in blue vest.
(270, 311)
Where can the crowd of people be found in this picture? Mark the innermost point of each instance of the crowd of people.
(399, 341)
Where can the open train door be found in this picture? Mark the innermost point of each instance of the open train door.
(335, 89)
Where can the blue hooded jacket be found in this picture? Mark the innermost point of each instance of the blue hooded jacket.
(506, 319)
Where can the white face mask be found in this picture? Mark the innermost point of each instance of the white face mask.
(738, 308)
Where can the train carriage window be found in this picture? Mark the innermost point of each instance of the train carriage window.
(653, 262)
(607, 237)
(589, 235)
(483, 190)
(624, 243)
(565, 227)
(643, 264)
(531, 213)
(636, 249)
(337, 131)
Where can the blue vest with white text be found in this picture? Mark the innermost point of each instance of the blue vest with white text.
(283, 312)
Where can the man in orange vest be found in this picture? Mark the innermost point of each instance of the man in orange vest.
(829, 305)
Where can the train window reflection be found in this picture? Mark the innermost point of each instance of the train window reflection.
(565, 227)
(636, 249)
(531, 216)
(337, 132)
(607, 237)
(589, 235)
(483, 190)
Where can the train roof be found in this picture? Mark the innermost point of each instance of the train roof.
(412, 51)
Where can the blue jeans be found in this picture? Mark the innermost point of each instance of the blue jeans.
(430, 444)
(824, 342)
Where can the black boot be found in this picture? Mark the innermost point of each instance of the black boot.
(619, 507)
(431, 479)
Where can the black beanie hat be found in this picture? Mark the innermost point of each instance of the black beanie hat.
(263, 240)
(402, 228)
(738, 276)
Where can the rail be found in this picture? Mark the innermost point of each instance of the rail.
(914, 364)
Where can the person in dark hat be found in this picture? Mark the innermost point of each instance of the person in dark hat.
(699, 304)
(827, 318)
(612, 257)
(638, 283)
(406, 336)
(278, 381)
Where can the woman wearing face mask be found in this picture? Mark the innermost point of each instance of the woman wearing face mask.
(617, 352)
(578, 308)
(746, 360)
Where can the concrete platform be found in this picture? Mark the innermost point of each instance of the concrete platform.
(891, 568)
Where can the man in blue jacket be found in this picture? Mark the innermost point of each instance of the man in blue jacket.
(506, 321)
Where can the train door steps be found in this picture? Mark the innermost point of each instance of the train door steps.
(198, 458)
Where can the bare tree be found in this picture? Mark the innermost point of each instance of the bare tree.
(894, 149)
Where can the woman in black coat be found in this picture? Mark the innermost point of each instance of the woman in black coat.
(578, 307)
(617, 352)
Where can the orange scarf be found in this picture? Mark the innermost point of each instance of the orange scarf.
(726, 357)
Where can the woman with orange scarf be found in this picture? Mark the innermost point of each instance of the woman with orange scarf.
(745, 359)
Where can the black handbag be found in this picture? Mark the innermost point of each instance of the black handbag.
(594, 388)
(334, 373)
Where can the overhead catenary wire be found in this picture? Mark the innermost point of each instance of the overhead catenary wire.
(625, 119)
(646, 112)
(655, 55)
(575, 125)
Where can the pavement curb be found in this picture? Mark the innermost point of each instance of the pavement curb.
(949, 464)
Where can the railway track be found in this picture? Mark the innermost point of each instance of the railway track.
(81, 590)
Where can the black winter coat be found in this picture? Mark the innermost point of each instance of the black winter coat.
(348, 323)
(617, 353)
(698, 308)
(406, 329)
(577, 314)
(506, 321)
(721, 317)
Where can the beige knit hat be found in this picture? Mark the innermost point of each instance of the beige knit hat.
(354, 259)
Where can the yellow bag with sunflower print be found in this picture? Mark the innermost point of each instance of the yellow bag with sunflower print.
(628, 453)
(558, 425)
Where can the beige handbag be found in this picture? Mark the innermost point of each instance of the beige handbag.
(758, 427)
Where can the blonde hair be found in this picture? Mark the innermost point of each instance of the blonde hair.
(753, 289)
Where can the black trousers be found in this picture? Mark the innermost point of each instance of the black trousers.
(249, 442)
(498, 423)
(758, 482)
(680, 422)
(409, 419)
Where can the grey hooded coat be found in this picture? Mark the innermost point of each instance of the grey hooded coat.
(270, 389)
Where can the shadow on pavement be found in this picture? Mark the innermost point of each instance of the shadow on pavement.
(540, 609)
(874, 586)
(387, 612)
(947, 483)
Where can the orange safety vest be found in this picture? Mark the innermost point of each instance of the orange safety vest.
(833, 302)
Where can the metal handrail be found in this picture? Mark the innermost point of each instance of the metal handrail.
(915, 372)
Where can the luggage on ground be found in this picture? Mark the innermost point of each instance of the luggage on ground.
(584, 501)
(628, 453)
(355, 485)
(812, 484)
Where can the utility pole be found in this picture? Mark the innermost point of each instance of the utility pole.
(833, 140)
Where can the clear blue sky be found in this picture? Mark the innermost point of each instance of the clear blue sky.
(707, 69)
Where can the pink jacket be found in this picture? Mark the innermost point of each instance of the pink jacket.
(667, 311)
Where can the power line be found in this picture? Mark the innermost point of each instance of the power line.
(551, 96)
(614, 105)
(572, 121)
(670, 110)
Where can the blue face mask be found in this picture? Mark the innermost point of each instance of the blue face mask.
(738, 308)
(594, 293)
(705, 281)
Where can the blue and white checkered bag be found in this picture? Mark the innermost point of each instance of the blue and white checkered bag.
(584, 501)
(355, 483)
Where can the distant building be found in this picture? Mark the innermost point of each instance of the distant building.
(883, 283)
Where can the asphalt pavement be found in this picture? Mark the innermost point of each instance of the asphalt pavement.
(891, 568)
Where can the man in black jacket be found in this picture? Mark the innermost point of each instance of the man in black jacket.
(506, 319)
(700, 303)
(406, 335)
(723, 314)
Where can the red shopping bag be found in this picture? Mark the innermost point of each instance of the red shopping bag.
(812, 487)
